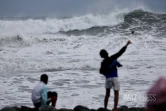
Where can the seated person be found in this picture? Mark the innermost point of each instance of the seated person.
(40, 96)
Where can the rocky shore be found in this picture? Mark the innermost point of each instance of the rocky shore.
(77, 108)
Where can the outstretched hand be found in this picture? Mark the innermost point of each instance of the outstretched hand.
(128, 42)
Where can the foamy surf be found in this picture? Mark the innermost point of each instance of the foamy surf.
(30, 48)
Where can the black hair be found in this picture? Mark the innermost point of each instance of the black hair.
(50, 94)
(103, 53)
(44, 78)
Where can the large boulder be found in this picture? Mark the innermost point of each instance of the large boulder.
(25, 108)
(81, 108)
(47, 108)
(123, 108)
(93, 110)
(77, 108)
(11, 109)
(64, 109)
(42, 108)
(137, 109)
(102, 109)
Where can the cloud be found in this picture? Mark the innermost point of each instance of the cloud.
(74, 7)
(106, 6)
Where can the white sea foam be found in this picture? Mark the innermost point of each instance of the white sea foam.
(72, 62)
(53, 25)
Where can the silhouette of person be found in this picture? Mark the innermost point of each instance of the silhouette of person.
(109, 70)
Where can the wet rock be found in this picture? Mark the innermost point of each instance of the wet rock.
(25, 108)
(134, 109)
(63, 109)
(93, 110)
(17, 108)
(77, 108)
(143, 109)
(101, 109)
(9, 109)
(43, 108)
(81, 108)
(47, 108)
(123, 108)
(140, 109)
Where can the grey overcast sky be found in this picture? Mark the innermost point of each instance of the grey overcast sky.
(23, 8)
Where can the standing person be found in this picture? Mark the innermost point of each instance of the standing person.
(40, 96)
(109, 70)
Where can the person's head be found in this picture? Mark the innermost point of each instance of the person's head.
(103, 53)
(44, 78)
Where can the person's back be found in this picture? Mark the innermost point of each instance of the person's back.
(110, 67)
(109, 64)
(36, 92)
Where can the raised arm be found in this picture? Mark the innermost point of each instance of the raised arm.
(117, 55)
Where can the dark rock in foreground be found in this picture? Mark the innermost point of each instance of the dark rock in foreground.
(81, 108)
(77, 108)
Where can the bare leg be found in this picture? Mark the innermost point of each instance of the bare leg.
(116, 98)
(107, 95)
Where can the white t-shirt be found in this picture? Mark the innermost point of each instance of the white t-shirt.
(39, 93)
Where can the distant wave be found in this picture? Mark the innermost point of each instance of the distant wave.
(23, 32)
(51, 37)
(136, 20)
(54, 25)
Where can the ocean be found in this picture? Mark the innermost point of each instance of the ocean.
(67, 49)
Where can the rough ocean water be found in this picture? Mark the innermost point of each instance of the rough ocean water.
(68, 51)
